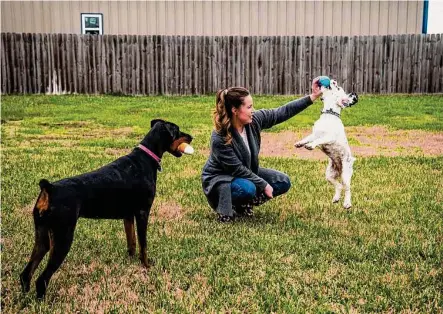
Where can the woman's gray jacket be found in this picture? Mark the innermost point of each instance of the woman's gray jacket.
(227, 162)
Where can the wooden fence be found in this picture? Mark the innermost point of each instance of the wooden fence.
(182, 65)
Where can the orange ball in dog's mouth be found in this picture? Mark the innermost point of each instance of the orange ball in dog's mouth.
(185, 148)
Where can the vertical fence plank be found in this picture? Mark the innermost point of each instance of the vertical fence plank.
(96, 74)
(129, 65)
(187, 65)
(197, 63)
(268, 66)
(205, 66)
(53, 57)
(79, 64)
(91, 52)
(167, 69)
(424, 65)
(401, 63)
(308, 63)
(278, 74)
(389, 63)
(264, 58)
(435, 64)
(16, 63)
(177, 53)
(192, 64)
(86, 55)
(57, 55)
(142, 64)
(439, 56)
(135, 67)
(363, 51)
(377, 64)
(33, 64)
(23, 78)
(62, 70)
(252, 64)
(285, 65)
(273, 78)
(149, 64)
(365, 47)
(42, 63)
(298, 61)
(107, 60)
(336, 51)
(125, 64)
(370, 70)
(74, 61)
(3, 49)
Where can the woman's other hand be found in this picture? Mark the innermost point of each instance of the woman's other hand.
(316, 90)
(268, 191)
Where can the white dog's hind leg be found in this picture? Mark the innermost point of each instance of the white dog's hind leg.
(346, 179)
(332, 175)
(305, 140)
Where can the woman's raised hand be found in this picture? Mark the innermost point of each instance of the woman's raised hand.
(316, 90)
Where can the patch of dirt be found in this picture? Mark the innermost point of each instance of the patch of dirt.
(166, 211)
(115, 290)
(364, 142)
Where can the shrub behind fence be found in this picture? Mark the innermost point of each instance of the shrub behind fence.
(182, 65)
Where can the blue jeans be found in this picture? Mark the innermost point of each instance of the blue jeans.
(243, 190)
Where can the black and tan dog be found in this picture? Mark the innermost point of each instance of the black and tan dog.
(124, 189)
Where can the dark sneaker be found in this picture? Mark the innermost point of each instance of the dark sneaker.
(225, 219)
(244, 209)
(259, 199)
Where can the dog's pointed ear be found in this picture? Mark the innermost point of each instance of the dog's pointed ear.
(153, 122)
(353, 97)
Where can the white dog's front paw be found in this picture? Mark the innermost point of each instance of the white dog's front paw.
(347, 205)
(336, 199)
(299, 144)
(310, 146)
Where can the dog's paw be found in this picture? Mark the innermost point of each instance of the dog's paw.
(347, 205)
(310, 146)
(24, 284)
(299, 144)
(336, 199)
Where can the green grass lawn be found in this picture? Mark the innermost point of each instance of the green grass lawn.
(299, 253)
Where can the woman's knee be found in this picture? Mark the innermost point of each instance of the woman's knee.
(242, 189)
(282, 186)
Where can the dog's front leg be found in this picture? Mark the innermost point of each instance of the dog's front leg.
(142, 227)
(326, 139)
(306, 140)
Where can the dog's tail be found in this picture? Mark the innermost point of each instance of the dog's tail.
(42, 204)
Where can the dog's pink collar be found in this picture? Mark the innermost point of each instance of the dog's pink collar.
(150, 153)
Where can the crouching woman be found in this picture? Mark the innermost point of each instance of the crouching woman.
(232, 179)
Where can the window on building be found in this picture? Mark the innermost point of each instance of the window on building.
(92, 23)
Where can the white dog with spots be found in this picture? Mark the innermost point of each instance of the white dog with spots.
(329, 135)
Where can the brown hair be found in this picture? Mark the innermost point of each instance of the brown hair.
(225, 100)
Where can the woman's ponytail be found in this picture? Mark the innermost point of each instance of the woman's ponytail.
(225, 100)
